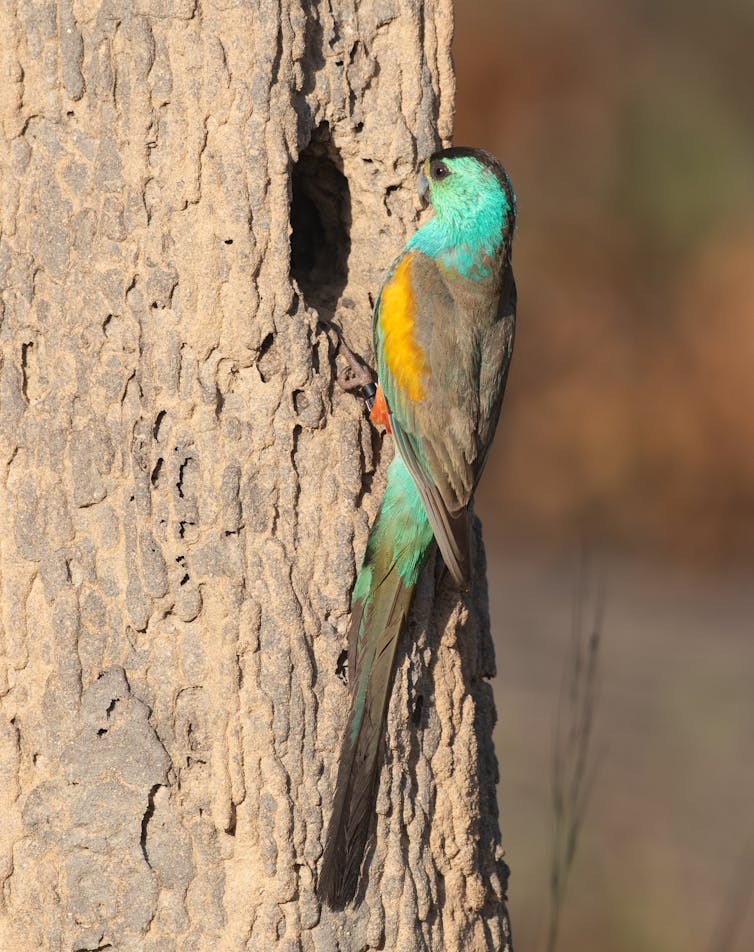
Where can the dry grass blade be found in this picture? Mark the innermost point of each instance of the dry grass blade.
(736, 903)
(573, 769)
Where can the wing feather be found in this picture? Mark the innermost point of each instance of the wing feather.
(464, 340)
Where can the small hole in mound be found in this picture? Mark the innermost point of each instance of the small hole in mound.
(300, 401)
(341, 665)
(320, 223)
(267, 359)
(155, 477)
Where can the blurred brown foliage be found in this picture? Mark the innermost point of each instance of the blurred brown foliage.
(628, 131)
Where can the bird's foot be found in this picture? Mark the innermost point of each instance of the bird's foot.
(357, 375)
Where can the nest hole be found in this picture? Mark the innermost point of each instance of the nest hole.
(320, 224)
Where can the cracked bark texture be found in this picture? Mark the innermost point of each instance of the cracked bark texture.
(185, 493)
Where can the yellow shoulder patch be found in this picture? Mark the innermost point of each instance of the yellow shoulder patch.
(404, 357)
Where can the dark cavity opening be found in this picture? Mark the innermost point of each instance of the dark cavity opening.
(320, 223)
(341, 665)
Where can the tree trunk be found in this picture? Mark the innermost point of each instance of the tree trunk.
(185, 492)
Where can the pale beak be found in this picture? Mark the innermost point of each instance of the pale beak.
(423, 188)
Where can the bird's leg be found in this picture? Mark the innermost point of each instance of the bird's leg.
(358, 374)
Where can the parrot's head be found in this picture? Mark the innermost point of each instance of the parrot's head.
(470, 191)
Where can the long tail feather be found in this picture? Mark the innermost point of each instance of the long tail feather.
(382, 597)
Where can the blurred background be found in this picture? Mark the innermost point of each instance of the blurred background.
(628, 131)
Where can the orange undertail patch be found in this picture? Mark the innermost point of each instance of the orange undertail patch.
(404, 357)
(379, 414)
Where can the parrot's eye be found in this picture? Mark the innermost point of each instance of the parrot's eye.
(439, 171)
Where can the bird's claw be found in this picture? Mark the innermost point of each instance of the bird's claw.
(358, 373)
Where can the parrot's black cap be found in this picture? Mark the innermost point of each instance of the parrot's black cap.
(485, 158)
